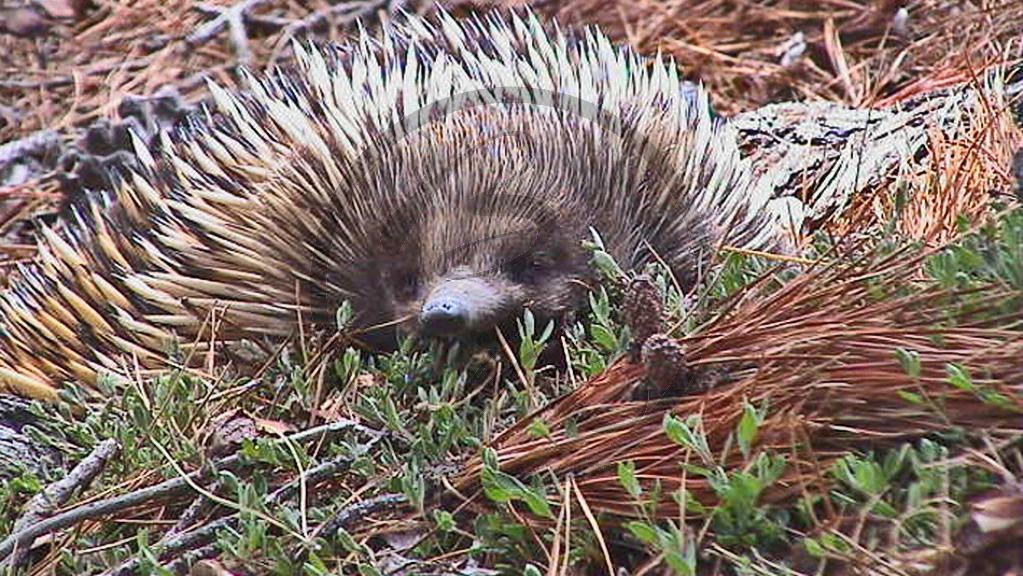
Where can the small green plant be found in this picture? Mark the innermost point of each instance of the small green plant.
(530, 344)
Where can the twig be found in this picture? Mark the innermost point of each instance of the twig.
(167, 488)
(198, 506)
(344, 518)
(71, 517)
(189, 543)
(34, 144)
(60, 81)
(201, 504)
(232, 18)
(358, 511)
(56, 494)
(9, 114)
(183, 564)
(348, 12)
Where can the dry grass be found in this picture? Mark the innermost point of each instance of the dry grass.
(82, 69)
(856, 52)
(820, 354)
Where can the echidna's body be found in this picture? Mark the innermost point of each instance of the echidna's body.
(448, 176)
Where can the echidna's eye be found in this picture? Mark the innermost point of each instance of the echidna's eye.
(528, 268)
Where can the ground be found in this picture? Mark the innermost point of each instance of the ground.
(856, 410)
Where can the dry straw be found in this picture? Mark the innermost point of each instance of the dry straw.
(820, 354)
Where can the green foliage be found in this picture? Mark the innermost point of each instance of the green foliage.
(911, 487)
(991, 255)
(504, 488)
(437, 409)
(531, 345)
(671, 540)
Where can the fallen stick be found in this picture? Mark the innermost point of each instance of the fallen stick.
(166, 488)
(194, 543)
(56, 494)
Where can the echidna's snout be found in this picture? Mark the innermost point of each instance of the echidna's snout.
(463, 305)
(444, 315)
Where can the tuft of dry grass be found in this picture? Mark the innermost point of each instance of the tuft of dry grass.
(961, 176)
(820, 354)
(80, 70)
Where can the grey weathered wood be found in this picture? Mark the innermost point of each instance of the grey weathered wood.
(18, 452)
(823, 154)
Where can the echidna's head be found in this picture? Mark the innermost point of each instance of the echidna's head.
(478, 229)
(474, 273)
(471, 296)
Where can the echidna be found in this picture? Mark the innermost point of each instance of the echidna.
(439, 180)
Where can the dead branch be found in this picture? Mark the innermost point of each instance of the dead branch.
(172, 487)
(34, 144)
(56, 494)
(344, 518)
(189, 544)
(233, 19)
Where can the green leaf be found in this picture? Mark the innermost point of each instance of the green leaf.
(911, 397)
(997, 399)
(537, 503)
(603, 337)
(539, 429)
(643, 532)
(347, 541)
(490, 458)
(959, 377)
(529, 322)
(498, 486)
(606, 264)
(627, 476)
(445, 520)
(834, 543)
(742, 491)
(688, 502)
(503, 488)
(813, 548)
(688, 434)
(746, 432)
(343, 316)
(677, 431)
(910, 362)
(885, 509)
(547, 331)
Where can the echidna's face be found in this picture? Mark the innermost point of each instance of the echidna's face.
(471, 275)
(476, 225)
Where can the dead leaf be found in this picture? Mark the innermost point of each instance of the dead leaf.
(274, 427)
(998, 513)
(209, 568)
(227, 434)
